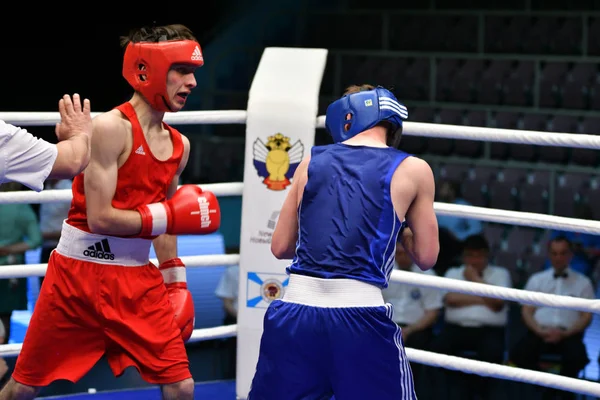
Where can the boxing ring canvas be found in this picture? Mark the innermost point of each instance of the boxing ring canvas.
(210, 390)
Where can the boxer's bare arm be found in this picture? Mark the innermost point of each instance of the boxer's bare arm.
(285, 236)
(100, 180)
(421, 240)
(165, 245)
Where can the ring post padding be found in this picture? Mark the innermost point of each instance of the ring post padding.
(280, 131)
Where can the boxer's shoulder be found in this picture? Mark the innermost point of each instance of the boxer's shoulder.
(112, 133)
(412, 169)
(111, 121)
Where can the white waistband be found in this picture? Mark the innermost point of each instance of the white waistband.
(338, 293)
(103, 249)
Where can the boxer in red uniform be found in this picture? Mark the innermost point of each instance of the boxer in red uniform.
(101, 295)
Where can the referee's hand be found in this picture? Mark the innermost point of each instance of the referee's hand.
(75, 119)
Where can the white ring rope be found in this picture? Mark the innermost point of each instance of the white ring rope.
(421, 129)
(498, 292)
(503, 371)
(217, 117)
(535, 220)
(480, 213)
(212, 260)
(418, 356)
(552, 139)
(63, 195)
(198, 335)
(410, 278)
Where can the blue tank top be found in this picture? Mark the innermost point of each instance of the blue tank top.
(347, 224)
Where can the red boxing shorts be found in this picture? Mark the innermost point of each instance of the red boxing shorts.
(101, 296)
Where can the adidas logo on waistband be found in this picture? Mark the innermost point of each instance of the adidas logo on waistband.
(100, 250)
(197, 54)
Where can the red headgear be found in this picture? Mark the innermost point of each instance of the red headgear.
(146, 64)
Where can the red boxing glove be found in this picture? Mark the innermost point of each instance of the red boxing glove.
(189, 212)
(173, 272)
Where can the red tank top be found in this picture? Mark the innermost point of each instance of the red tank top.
(142, 179)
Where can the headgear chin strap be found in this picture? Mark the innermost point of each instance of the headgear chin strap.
(365, 109)
(146, 65)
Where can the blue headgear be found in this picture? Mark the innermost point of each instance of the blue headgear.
(366, 109)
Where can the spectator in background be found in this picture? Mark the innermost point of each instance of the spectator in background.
(475, 323)
(3, 365)
(585, 246)
(453, 230)
(554, 330)
(19, 232)
(227, 291)
(52, 216)
(416, 309)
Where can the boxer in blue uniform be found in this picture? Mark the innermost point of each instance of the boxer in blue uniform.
(332, 334)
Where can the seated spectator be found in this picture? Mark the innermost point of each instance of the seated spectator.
(416, 309)
(453, 230)
(554, 330)
(19, 232)
(227, 291)
(3, 365)
(584, 246)
(475, 323)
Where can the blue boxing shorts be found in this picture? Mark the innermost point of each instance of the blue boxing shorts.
(331, 337)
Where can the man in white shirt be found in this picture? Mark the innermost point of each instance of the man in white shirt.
(30, 160)
(227, 291)
(475, 323)
(553, 330)
(416, 309)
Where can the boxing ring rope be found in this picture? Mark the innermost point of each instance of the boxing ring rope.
(483, 214)
(407, 277)
(480, 213)
(421, 129)
(212, 260)
(198, 335)
(217, 117)
(503, 371)
(57, 196)
(498, 292)
(419, 356)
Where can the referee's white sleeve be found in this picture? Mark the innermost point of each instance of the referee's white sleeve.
(25, 158)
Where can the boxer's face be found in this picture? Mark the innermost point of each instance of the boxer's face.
(559, 254)
(477, 259)
(180, 82)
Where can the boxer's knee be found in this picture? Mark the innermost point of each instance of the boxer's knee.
(183, 390)
(17, 391)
